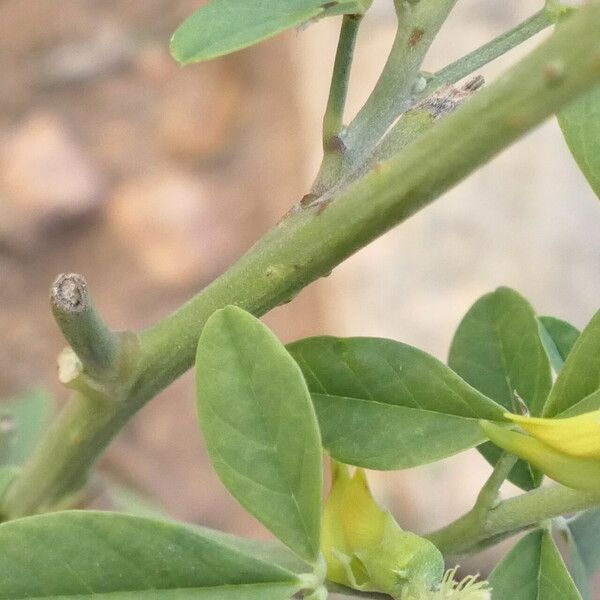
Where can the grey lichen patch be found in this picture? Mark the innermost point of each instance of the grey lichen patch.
(69, 293)
(448, 98)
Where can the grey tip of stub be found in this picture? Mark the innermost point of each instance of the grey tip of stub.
(69, 293)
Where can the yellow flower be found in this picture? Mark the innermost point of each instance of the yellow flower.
(567, 450)
(366, 549)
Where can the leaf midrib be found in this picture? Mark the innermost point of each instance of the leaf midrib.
(401, 407)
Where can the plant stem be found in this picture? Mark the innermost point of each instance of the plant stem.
(333, 121)
(418, 24)
(510, 516)
(96, 346)
(317, 236)
(414, 122)
(489, 494)
(489, 52)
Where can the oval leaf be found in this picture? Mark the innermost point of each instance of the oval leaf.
(558, 338)
(260, 427)
(497, 349)
(82, 554)
(224, 26)
(533, 570)
(580, 124)
(579, 379)
(7, 474)
(22, 422)
(584, 546)
(385, 405)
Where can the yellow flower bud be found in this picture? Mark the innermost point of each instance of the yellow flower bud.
(576, 436)
(552, 446)
(366, 549)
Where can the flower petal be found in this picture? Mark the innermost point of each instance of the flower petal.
(577, 436)
(575, 472)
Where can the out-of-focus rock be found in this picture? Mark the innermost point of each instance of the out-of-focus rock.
(199, 116)
(174, 226)
(155, 63)
(36, 25)
(45, 178)
(108, 50)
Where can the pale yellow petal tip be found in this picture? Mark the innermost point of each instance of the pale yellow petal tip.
(522, 419)
(577, 436)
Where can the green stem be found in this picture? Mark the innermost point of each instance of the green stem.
(489, 52)
(333, 121)
(511, 516)
(418, 24)
(419, 118)
(489, 494)
(96, 346)
(316, 237)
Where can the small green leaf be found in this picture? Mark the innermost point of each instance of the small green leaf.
(7, 474)
(126, 500)
(22, 422)
(577, 387)
(584, 545)
(268, 551)
(497, 349)
(260, 427)
(580, 124)
(533, 570)
(81, 555)
(558, 338)
(224, 26)
(385, 405)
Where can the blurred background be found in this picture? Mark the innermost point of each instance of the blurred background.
(151, 179)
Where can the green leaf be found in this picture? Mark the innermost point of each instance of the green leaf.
(260, 427)
(580, 124)
(558, 338)
(584, 545)
(497, 349)
(79, 555)
(522, 474)
(22, 422)
(7, 474)
(129, 501)
(268, 551)
(224, 26)
(533, 570)
(579, 379)
(385, 405)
